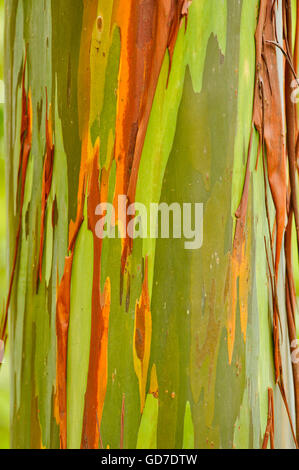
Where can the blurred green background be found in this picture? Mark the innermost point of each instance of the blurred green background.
(4, 376)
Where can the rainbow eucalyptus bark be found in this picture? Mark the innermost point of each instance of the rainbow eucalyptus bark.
(142, 343)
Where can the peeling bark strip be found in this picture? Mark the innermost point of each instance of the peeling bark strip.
(268, 121)
(46, 186)
(268, 118)
(26, 141)
(148, 28)
(291, 113)
(270, 429)
(62, 327)
(100, 310)
(291, 311)
(97, 373)
(142, 337)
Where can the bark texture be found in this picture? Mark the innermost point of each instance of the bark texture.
(123, 344)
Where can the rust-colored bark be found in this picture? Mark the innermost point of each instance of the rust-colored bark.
(46, 185)
(97, 371)
(26, 141)
(291, 309)
(291, 115)
(148, 30)
(62, 327)
(270, 429)
(292, 131)
(268, 117)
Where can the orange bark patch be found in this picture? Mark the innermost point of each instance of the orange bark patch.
(239, 268)
(291, 109)
(238, 271)
(291, 313)
(62, 327)
(97, 372)
(142, 337)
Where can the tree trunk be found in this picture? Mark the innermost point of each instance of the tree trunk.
(144, 343)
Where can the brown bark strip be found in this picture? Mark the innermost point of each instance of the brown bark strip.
(291, 309)
(289, 265)
(270, 422)
(296, 47)
(98, 356)
(276, 345)
(268, 121)
(291, 117)
(62, 327)
(97, 372)
(26, 141)
(268, 118)
(275, 332)
(283, 394)
(46, 185)
(148, 29)
(292, 133)
(24, 124)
